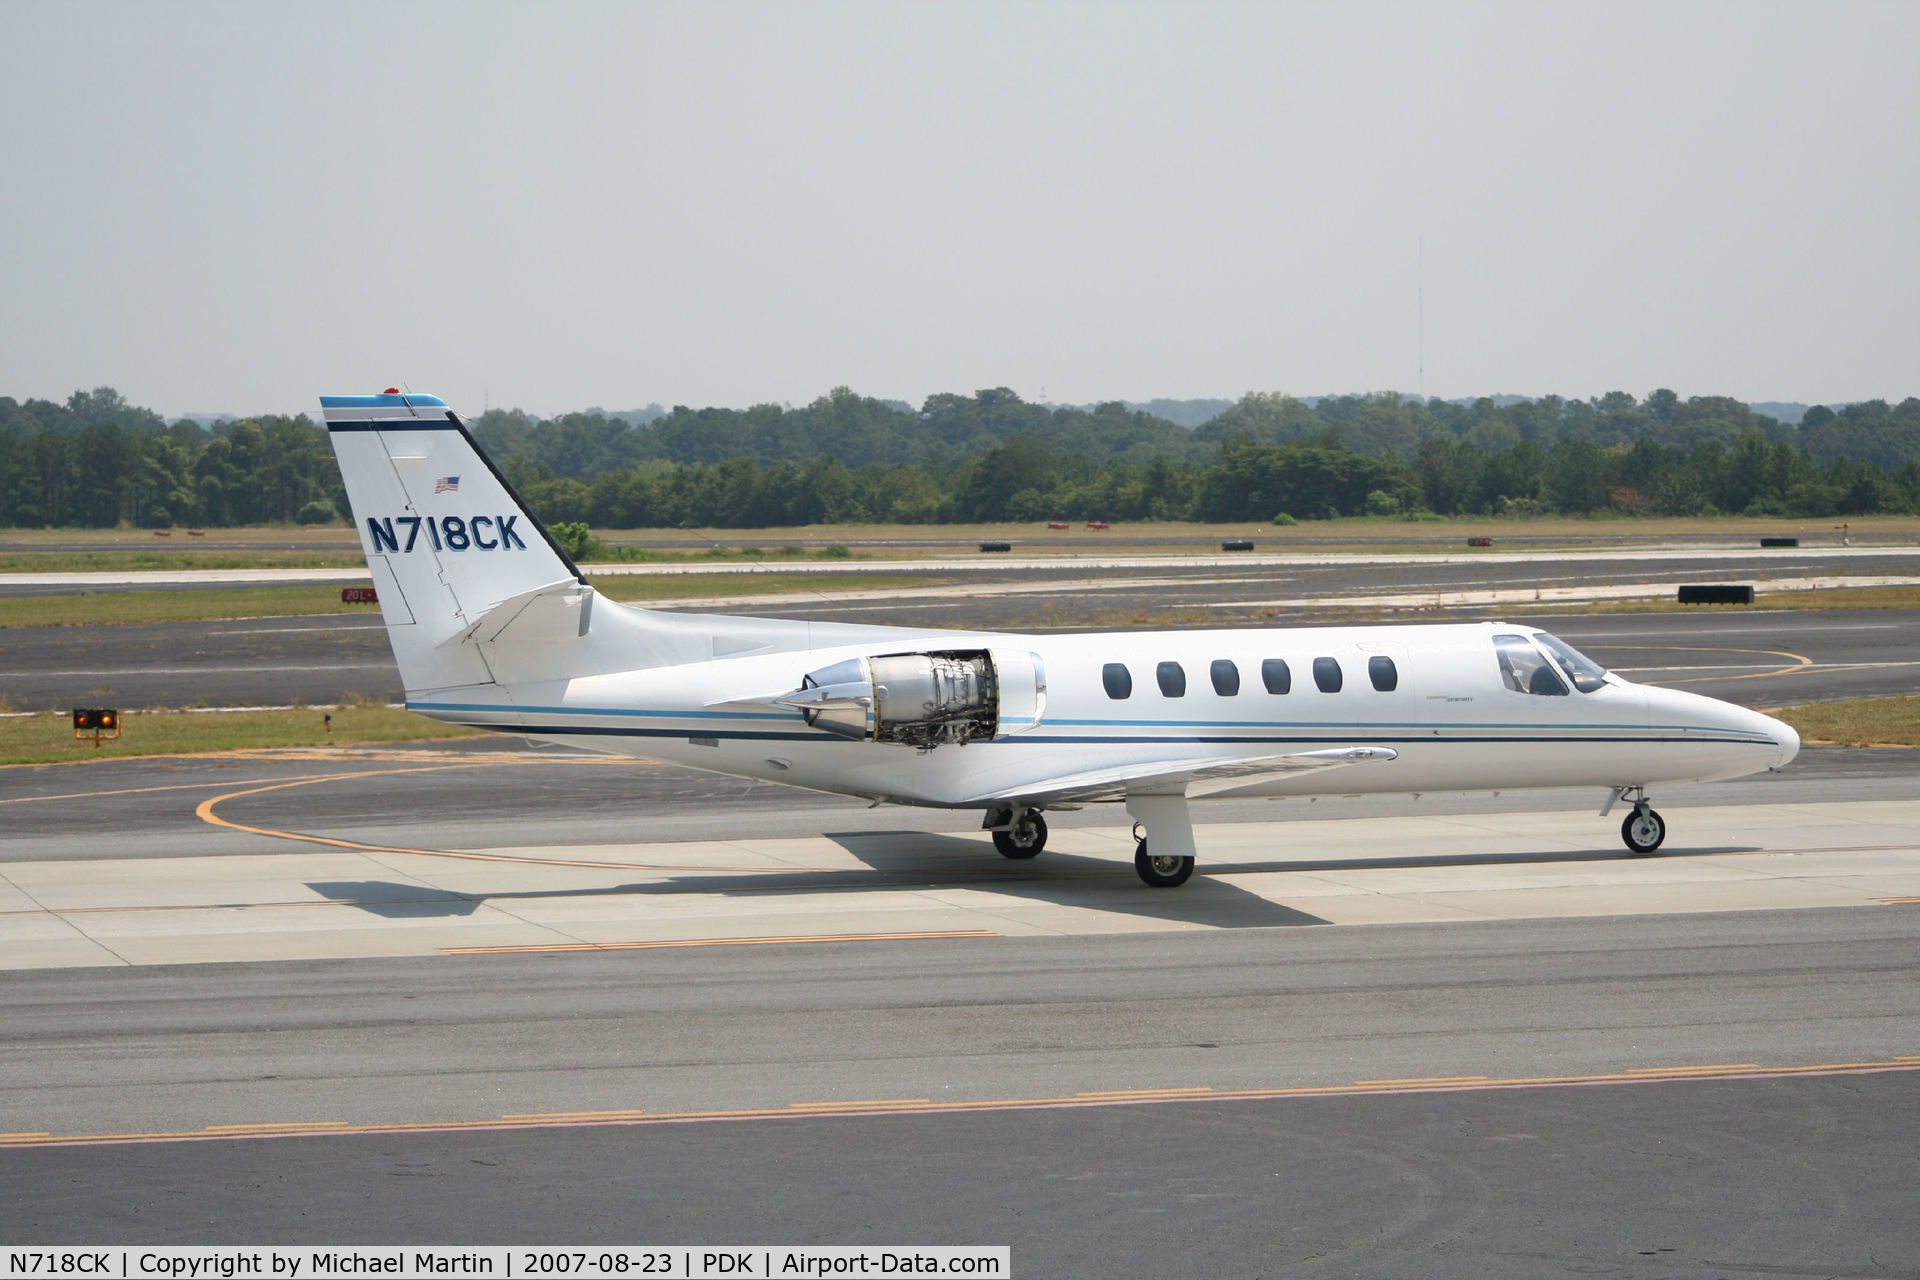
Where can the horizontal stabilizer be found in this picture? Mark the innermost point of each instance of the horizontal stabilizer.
(557, 610)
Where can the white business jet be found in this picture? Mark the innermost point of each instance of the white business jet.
(494, 627)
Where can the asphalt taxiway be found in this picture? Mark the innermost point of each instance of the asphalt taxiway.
(480, 993)
(1708, 1095)
(401, 995)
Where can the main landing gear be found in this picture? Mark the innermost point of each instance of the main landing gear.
(1163, 821)
(1024, 836)
(1160, 871)
(1019, 832)
(1643, 830)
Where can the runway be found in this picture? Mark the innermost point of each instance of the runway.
(481, 993)
(1758, 657)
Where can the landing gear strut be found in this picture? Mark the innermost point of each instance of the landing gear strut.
(1643, 830)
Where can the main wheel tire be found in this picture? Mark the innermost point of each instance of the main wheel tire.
(1024, 839)
(1643, 831)
(1161, 872)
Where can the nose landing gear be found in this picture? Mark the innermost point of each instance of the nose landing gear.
(1644, 829)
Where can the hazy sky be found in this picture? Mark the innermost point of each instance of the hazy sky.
(238, 207)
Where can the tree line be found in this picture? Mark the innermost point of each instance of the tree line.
(947, 429)
(99, 461)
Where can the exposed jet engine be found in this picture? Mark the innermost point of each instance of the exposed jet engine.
(919, 699)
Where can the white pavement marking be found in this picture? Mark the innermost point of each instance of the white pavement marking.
(998, 564)
(944, 593)
(251, 668)
(1449, 597)
(1263, 559)
(309, 903)
(1453, 598)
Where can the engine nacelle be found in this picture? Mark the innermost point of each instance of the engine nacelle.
(920, 699)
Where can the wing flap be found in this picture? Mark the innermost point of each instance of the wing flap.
(1193, 776)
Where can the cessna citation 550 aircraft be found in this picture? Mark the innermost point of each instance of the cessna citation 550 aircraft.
(494, 627)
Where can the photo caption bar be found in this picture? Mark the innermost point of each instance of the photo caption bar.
(342, 1262)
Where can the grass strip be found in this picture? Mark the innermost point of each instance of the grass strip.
(48, 738)
(1858, 722)
(94, 608)
(171, 561)
(168, 559)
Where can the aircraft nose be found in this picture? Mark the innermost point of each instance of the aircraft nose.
(1785, 737)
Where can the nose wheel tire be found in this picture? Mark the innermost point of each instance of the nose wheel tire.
(1161, 871)
(1643, 831)
(1024, 839)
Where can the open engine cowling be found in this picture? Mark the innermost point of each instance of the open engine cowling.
(924, 699)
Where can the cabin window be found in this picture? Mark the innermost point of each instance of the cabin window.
(1276, 675)
(1326, 675)
(1118, 679)
(1524, 669)
(1380, 670)
(1173, 679)
(1226, 677)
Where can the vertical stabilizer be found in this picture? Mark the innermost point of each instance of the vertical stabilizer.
(446, 538)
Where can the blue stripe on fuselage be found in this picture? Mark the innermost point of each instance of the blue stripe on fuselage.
(1032, 739)
(1497, 732)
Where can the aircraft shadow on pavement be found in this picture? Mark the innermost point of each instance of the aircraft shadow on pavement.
(896, 860)
(397, 901)
(1525, 857)
(926, 860)
(931, 862)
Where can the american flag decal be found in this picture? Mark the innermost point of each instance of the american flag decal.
(446, 484)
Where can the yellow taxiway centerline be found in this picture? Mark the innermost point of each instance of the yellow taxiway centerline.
(205, 812)
(907, 1106)
(719, 942)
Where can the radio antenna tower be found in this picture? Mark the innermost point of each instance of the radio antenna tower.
(1420, 293)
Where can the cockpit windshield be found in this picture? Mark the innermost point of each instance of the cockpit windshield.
(1586, 674)
(1523, 669)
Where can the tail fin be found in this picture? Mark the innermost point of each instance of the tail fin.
(447, 539)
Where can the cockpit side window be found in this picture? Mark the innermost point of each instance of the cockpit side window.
(1524, 669)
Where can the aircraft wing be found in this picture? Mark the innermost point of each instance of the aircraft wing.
(1197, 776)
